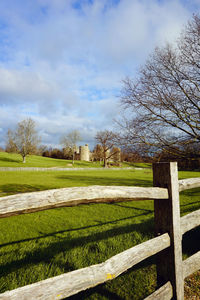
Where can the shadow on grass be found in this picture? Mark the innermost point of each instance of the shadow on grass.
(77, 179)
(20, 188)
(190, 207)
(100, 180)
(191, 240)
(191, 192)
(190, 203)
(45, 255)
(78, 229)
(100, 290)
(6, 159)
(133, 207)
(66, 244)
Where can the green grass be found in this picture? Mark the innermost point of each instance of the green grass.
(45, 244)
(15, 160)
(29, 181)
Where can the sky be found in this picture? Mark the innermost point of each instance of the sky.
(62, 62)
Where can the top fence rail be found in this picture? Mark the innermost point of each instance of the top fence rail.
(37, 201)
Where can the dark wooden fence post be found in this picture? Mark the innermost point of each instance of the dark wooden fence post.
(167, 219)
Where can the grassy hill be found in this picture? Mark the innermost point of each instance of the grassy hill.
(15, 160)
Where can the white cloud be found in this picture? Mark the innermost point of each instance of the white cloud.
(63, 65)
(21, 84)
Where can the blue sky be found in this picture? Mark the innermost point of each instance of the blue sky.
(62, 62)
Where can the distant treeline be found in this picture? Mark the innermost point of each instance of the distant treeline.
(191, 160)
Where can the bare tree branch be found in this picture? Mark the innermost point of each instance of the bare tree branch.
(162, 106)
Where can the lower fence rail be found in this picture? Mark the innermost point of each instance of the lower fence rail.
(191, 264)
(165, 292)
(190, 221)
(71, 283)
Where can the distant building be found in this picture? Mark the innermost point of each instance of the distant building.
(83, 153)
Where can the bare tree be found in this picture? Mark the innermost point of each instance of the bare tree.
(116, 155)
(70, 142)
(67, 152)
(98, 152)
(25, 139)
(162, 106)
(107, 140)
(11, 147)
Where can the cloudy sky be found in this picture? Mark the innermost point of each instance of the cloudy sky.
(62, 62)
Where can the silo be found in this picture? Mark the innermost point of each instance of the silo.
(84, 153)
(118, 154)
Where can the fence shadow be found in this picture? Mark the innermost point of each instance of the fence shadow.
(100, 291)
(64, 244)
(6, 159)
(20, 188)
(100, 180)
(190, 242)
(133, 207)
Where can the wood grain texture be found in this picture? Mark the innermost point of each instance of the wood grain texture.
(190, 183)
(190, 221)
(167, 219)
(191, 264)
(73, 282)
(37, 201)
(163, 293)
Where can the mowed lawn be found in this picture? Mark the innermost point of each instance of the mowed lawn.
(15, 161)
(45, 244)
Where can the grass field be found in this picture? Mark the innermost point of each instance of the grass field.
(15, 160)
(45, 244)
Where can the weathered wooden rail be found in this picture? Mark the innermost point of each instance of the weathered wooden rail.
(167, 245)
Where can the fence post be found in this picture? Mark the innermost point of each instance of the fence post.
(167, 219)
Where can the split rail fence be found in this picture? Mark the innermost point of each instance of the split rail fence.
(167, 245)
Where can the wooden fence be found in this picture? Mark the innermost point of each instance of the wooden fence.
(167, 245)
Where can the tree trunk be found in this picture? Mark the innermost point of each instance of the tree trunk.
(105, 161)
(24, 159)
